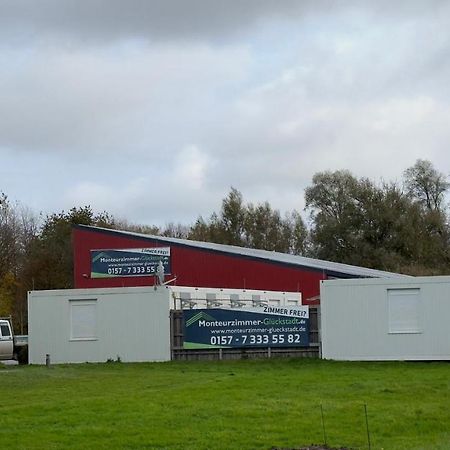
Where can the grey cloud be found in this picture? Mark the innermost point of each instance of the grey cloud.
(101, 20)
(145, 102)
(361, 86)
(156, 19)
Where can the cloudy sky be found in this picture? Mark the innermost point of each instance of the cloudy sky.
(152, 110)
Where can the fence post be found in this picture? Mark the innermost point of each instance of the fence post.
(367, 426)
(171, 320)
(319, 330)
(323, 426)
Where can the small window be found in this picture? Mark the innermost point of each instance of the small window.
(404, 311)
(83, 319)
(4, 330)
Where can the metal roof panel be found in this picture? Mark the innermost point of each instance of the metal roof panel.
(284, 258)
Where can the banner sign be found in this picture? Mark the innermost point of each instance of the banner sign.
(131, 262)
(266, 326)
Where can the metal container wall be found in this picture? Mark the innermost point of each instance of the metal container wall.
(356, 320)
(132, 324)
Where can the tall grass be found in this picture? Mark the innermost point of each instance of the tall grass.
(225, 405)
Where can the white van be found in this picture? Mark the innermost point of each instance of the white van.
(6, 340)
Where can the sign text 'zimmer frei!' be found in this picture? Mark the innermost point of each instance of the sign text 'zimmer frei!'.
(129, 262)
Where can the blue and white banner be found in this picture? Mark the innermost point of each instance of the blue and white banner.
(130, 262)
(267, 326)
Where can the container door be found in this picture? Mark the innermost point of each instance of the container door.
(6, 341)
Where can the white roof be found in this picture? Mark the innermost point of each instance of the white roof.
(317, 264)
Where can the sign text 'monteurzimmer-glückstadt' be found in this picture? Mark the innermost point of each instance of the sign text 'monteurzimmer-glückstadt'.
(266, 326)
(129, 262)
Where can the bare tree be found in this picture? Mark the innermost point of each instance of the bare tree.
(426, 184)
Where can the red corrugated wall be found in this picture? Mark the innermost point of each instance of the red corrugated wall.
(193, 267)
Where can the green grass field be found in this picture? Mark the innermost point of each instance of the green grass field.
(225, 405)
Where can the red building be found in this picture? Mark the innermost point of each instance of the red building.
(111, 258)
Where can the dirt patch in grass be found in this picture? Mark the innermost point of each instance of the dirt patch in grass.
(311, 447)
